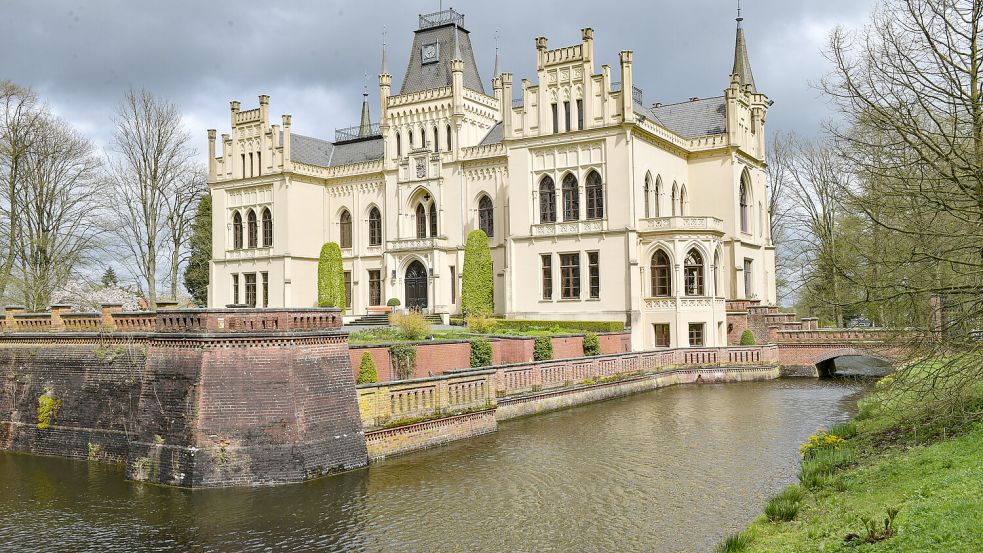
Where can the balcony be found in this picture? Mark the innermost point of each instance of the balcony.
(687, 303)
(415, 244)
(680, 223)
(248, 253)
(567, 228)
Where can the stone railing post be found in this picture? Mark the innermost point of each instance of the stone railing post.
(107, 315)
(57, 310)
(8, 315)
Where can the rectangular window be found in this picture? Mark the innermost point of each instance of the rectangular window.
(266, 289)
(696, 335)
(453, 285)
(570, 275)
(375, 287)
(250, 289)
(243, 165)
(235, 289)
(594, 272)
(556, 119)
(348, 290)
(580, 115)
(547, 276)
(748, 280)
(566, 116)
(251, 164)
(661, 335)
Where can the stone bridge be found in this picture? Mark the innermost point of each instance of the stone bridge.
(804, 349)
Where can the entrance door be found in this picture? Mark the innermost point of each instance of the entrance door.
(416, 286)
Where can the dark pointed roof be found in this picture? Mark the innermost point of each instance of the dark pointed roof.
(445, 28)
(742, 64)
(365, 126)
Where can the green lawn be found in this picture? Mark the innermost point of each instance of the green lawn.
(909, 450)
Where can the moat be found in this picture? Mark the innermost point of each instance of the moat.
(674, 469)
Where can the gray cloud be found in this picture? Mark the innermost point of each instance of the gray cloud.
(311, 56)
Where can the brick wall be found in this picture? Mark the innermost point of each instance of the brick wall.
(383, 443)
(566, 347)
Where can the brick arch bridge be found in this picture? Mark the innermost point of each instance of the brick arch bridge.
(803, 348)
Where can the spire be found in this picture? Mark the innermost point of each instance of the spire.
(742, 65)
(365, 127)
(457, 45)
(496, 72)
(385, 57)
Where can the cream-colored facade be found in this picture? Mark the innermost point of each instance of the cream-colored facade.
(598, 206)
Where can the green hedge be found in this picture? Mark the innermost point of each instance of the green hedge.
(592, 346)
(331, 278)
(481, 353)
(591, 326)
(477, 278)
(367, 373)
(747, 338)
(542, 350)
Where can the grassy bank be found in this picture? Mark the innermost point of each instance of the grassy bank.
(906, 475)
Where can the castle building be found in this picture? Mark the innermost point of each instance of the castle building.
(597, 205)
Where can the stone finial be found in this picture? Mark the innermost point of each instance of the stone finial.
(234, 105)
(542, 43)
(587, 34)
(264, 99)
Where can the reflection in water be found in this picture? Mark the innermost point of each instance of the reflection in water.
(670, 470)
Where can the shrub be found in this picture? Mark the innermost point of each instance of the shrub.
(481, 353)
(403, 358)
(367, 373)
(393, 302)
(481, 324)
(592, 346)
(735, 543)
(747, 338)
(542, 350)
(477, 278)
(48, 406)
(414, 325)
(523, 325)
(331, 278)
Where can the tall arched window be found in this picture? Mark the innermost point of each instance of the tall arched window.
(693, 274)
(571, 198)
(448, 138)
(237, 231)
(252, 231)
(399, 146)
(267, 228)
(646, 192)
(433, 219)
(716, 280)
(375, 227)
(410, 145)
(745, 205)
(547, 200)
(486, 218)
(345, 224)
(657, 212)
(675, 199)
(421, 221)
(436, 143)
(661, 274)
(761, 220)
(595, 196)
(683, 200)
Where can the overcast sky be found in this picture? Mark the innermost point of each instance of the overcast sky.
(311, 57)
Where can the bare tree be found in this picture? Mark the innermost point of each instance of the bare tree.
(181, 198)
(152, 156)
(780, 160)
(21, 114)
(59, 204)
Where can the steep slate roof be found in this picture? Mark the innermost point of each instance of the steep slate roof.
(314, 151)
(742, 64)
(494, 135)
(694, 118)
(435, 75)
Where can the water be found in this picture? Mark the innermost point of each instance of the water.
(670, 470)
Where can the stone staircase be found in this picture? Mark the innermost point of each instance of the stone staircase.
(382, 319)
(763, 320)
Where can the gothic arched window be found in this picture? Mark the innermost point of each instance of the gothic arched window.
(682, 200)
(448, 138)
(433, 219)
(657, 212)
(421, 221)
(267, 227)
(571, 198)
(595, 196)
(547, 200)
(237, 231)
(375, 227)
(345, 225)
(486, 218)
(646, 192)
(675, 199)
(693, 273)
(252, 230)
(661, 274)
(399, 146)
(745, 202)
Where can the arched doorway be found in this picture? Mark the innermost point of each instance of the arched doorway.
(416, 286)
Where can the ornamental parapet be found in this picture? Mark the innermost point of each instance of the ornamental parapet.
(112, 318)
(413, 244)
(677, 223)
(684, 303)
(570, 227)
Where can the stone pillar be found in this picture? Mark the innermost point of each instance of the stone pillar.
(212, 163)
(107, 315)
(627, 86)
(8, 315)
(57, 310)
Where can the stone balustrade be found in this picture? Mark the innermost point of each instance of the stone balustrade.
(113, 319)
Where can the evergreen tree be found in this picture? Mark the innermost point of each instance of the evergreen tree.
(478, 288)
(109, 278)
(331, 278)
(196, 273)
